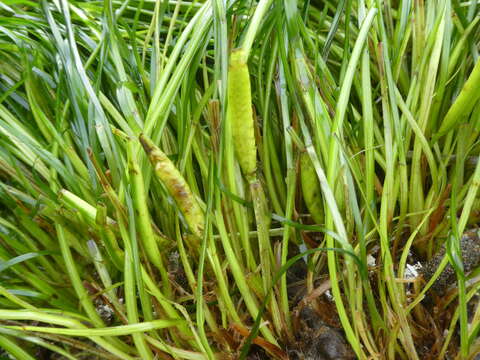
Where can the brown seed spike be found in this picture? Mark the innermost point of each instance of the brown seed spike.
(148, 148)
(176, 185)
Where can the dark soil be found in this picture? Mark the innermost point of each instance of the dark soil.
(470, 249)
(318, 341)
(257, 353)
(317, 330)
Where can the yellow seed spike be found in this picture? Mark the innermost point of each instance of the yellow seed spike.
(239, 113)
(312, 193)
(176, 185)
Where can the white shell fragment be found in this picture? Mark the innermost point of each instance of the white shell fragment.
(411, 272)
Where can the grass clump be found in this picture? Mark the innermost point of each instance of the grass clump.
(168, 167)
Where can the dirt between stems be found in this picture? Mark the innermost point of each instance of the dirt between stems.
(470, 249)
(316, 327)
(316, 340)
(316, 324)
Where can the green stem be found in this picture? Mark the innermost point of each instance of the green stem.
(464, 103)
(255, 22)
